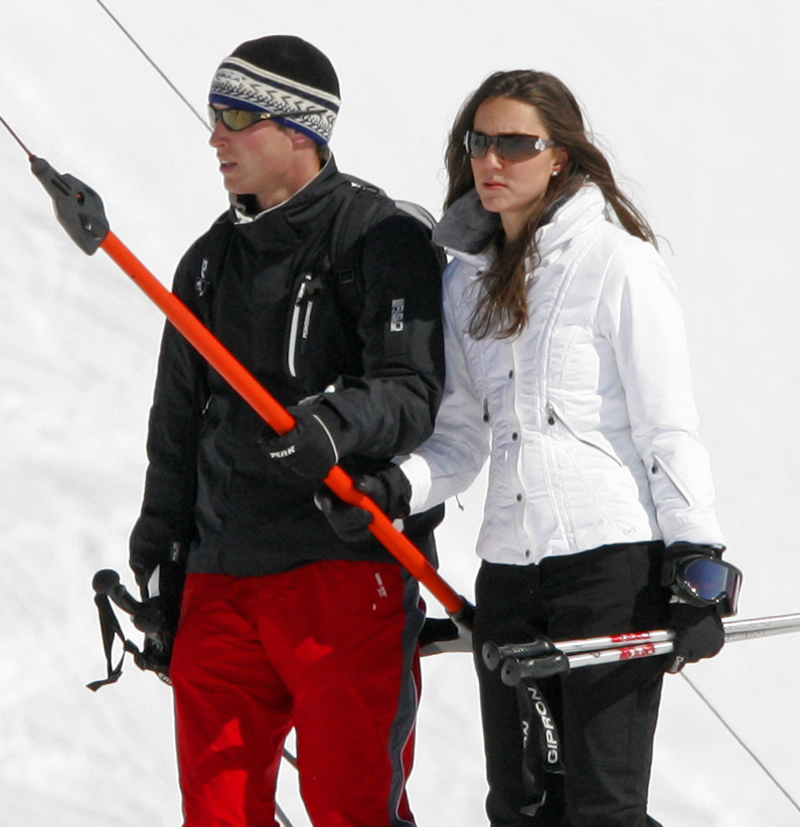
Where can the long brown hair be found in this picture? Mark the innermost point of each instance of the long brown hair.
(502, 309)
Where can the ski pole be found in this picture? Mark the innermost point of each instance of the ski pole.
(543, 658)
(79, 209)
(741, 629)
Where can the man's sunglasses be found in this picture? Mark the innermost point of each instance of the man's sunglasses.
(507, 147)
(238, 119)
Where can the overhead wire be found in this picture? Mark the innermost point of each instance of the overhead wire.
(702, 697)
(741, 742)
(15, 136)
(153, 64)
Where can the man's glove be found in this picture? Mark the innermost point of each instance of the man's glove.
(698, 634)
(310, 448)
(156, 620)
(388, 488)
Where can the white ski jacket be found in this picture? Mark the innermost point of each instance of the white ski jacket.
(587, 415)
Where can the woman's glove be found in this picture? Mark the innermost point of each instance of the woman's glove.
(698, 634)
(388, 488)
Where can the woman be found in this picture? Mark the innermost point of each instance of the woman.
(567, 367)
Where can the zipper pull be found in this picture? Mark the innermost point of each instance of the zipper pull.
(551, 414)
(309, 287)
(302, 290)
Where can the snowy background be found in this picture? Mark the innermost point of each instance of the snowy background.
(697, 101)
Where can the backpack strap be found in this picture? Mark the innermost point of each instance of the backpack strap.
(215, 247)
(366, 206)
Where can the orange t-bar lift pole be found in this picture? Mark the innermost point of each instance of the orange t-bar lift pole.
(80, 211)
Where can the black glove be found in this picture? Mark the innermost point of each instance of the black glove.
(698, 629)
(388, 488)
(310, 448)
(698, 634)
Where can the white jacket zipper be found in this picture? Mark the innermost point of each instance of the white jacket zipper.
(295, 326)
(553, 416)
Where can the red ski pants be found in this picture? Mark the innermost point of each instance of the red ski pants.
(329, 649)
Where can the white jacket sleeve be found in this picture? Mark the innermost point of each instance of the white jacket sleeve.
(640, 315)
(448, 462)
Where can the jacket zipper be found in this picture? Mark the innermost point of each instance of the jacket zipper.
(301, 319)
(553, 416)
(658, 465)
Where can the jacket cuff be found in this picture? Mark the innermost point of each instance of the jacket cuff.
(418, 474)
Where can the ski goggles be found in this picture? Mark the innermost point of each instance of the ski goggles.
(705, 580)
(512, 147)
(238, 119)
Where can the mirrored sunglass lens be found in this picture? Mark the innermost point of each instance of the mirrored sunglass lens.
(236, 119)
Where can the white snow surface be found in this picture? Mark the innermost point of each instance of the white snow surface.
(698, 102)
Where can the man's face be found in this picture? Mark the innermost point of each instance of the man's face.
(261, 159)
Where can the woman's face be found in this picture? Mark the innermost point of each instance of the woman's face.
(513, 188)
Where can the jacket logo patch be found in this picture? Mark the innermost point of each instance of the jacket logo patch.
(201, 282)
(398, 314)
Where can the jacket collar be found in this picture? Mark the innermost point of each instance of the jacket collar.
(466, 227)
(584, 209)
(467, 230)
(293, 222)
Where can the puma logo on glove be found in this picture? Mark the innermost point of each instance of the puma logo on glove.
(309, 449)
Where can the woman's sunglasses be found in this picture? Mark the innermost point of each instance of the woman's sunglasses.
(238, 119)
(507, 147)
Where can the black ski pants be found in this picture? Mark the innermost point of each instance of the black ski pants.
(606, 715)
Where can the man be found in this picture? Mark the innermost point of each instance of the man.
(281, 623)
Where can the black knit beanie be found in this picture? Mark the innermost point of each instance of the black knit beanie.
(281, 74)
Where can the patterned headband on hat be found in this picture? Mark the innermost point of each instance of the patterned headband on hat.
(244, 85)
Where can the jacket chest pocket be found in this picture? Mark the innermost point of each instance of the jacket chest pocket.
(318, 346)
(306, 293)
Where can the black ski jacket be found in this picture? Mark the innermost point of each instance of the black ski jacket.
(265, 289)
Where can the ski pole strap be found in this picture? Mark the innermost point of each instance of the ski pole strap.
(110, 629)
(541, 744)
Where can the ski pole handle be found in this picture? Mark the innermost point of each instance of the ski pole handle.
(519, 661)
(106, 581)
(514, 670)
(494, 655)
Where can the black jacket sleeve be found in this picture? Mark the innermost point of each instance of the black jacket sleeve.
(166, 522)
(391, 408)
